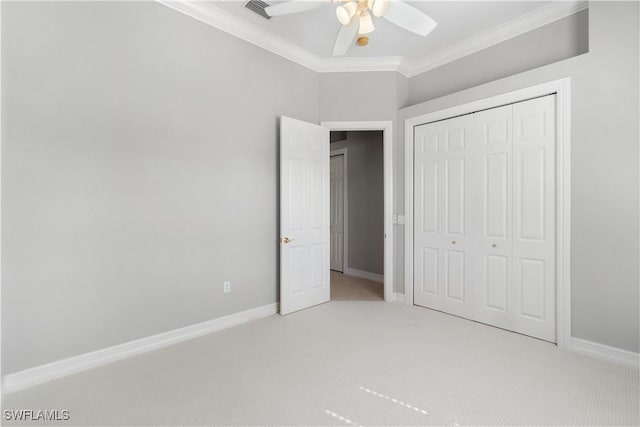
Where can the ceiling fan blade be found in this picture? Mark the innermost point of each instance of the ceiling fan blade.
(345, 38)
(410, 18)
(291, 7)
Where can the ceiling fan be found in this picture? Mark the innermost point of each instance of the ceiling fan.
(355, 17)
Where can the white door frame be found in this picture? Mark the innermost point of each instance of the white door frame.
(387, 140)
(345, 206)
(562, 89)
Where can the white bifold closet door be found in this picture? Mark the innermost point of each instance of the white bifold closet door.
(484, 243)
(493, 217)
(534, 208)
(442, 276)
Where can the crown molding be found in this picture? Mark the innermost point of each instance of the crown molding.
(516, 27)
(206, 12)
(210, 14)
(334, 65)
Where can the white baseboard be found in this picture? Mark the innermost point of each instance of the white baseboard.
(364, 274)
(72, 365)
(604, 352)
(398, 297)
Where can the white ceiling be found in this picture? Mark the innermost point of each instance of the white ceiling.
(315, 31)
(307, 38)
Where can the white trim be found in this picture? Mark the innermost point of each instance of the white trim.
(230, 23)
(359, 64)
(364, 275)
(535, 19)
(398, 297)
(605, 352)
(206, 12)
(387, 139)
(562, 89)
(345, 206)
(50, 371)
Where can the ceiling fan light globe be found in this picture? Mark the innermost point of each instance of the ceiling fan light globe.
(379, 7)
(366, 24)
(346, 11)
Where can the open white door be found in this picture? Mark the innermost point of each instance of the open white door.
(304, 215)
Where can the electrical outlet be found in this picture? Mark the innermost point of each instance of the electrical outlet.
(227, 287)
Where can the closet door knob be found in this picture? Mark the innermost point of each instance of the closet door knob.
(494, 246)
(453, 243)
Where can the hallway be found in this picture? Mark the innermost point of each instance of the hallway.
(350, 288)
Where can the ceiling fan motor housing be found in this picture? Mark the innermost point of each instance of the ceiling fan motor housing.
(356, 18)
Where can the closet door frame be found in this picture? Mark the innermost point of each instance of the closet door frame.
(562, 89)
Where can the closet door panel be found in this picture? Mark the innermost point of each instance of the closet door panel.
(531, 188)
(429, 205)
(455, 275)
(456, 264)
(442, 276)
(496, 168)
(534, 218)
(428, 187)
(493, 215)
(429, 271)
(496, 289)
(455, 196)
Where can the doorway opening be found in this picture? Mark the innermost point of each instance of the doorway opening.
(361, 241)
(357, 215)
(305, 160)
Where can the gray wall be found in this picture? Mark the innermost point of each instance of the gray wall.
(359, 96)
(554, 42)
(368, 96)
(116, 142)
(365, 194)
(128, 133)
(604, 162)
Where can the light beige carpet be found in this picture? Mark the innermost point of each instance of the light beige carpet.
(349, 288)
(349, 363)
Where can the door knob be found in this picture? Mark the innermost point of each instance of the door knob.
(285, 240)
(453, 243)
(494, 246)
